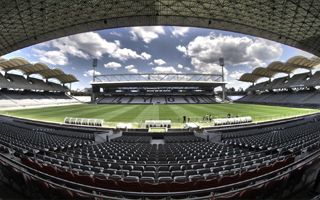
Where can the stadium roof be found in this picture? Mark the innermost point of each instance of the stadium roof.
(159, 80)
(280, 67)
(206, 84)
(295, 23)
(303, 62)
(37, 68)
(263, 72)
(248, 77)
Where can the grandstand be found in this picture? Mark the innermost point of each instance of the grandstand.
(157, 88)
(299, 90)
(24, 91)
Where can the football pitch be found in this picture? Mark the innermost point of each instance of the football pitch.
(113, 114)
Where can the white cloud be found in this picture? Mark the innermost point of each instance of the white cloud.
(117, 42)
(146, 33)
(159, 61)
(125, 54)
(115, 33)
(87, 46)
(182, 49)
(179, 31)
(180, 66)
(51, 57)
(131, 68)
(188, 68)
(165, 69)
(134, 70)
(205, 52)
(145, 56)
(112, 65)
(236, 74)
(90, 73)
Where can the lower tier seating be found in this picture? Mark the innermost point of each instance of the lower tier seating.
(25, 99)
(182, 163)
(302, 98)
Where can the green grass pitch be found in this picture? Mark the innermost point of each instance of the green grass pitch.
(139, 113)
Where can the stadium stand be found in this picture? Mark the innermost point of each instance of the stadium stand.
(23, 90)
(131, 166)
(24, 99)
(157, 88)
(298, 99)
(299, 90)
(196, 99)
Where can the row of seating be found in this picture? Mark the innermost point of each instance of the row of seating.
(135, 183)
(296, 81)
(17, 98)
(299, 98)
(23, 140)
(14, 81)
(286, 138)
(54, 131)
(182, 163)
(201, 99)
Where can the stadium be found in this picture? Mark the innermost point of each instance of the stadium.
(165, 135)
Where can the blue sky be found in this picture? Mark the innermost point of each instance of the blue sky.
(157, 49)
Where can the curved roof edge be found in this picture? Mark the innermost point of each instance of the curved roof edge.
(276, 67)
(37, 68)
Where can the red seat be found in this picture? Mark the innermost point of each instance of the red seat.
(248, 175)
(264, 170)
(177, 186)
(48, 169)
(106, 183)
(67, 175)
(203, 184)
(290, 160)
(84, 179)
(154, 187)
(129, 186)
(226, 180)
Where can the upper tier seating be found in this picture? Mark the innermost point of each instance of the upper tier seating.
(259, 86)
(313, 81)
(18, 82)
(277, 83)
(38, 84)
(297, 80)
(14, 81)
(4, 83)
